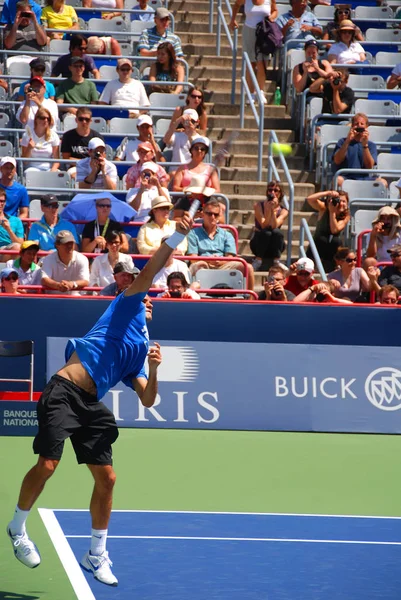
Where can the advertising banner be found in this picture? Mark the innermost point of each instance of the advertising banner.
(18, 418)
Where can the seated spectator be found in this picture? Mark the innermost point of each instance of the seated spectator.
(46, 230)
(330, 31)
(76, 89)
(299, 23)
(166, 68)
(38, 69)
(25, 33)
(353, 280)
(110, 4)
(94, 232)
(267, 240)
(332, 219)
(389, 294)
(146, 153)
(195, 100)
(391, 275)
(337, 96)
(41, 142)
(124, 275)
(146, 16)
(323, 292)
(181, 141)
(96, 171)
(101, 273)
(301, 277)
(103, 45)
(26, 264)
(386, 232)
(128, 149)
(9, 281)
(311, 70)
(172, 266)
(35, 99)
(17, 199)
(58, 15)
(177, 287)
(125, 91)
(65, 271)
(152, 37)
(74, 143)
(9, 11)
(346, 51)
(11, 229)
(356, 151)
(395, 77)
(211, 240)
(78, 47)
(274, 287)
(140, 199)
(159, 226)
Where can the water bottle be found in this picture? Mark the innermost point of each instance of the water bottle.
(277, 97)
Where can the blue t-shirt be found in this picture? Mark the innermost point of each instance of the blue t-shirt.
(9, 11)
(116, 347)
(16, 198)
(354, 158)
(16, 226)
(46, 235)
(50, 89)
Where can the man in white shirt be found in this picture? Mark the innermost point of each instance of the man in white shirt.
(34, 99)
(180, 141)
(65, 271)
(95, 171)
(173, 265)
(125, 91)
(128, 147)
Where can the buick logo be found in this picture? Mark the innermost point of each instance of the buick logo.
(383, 388)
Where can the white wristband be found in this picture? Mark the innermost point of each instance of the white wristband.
(175, 239)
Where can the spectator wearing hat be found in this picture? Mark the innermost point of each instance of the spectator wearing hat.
(103, 45)
(96, 171)
(128, 147)
(46, 230)
(102, 267)
(140, 199)
(322, 292)
(301, 277)
(346, 51)
(17, 199)
(178, 287)
(124, 275)
(25, 32)
(9, 281)
(152, 37)
(26, 264)
(35, 99)
(65, 271)
(38, 69)
(74, 143)
(125, 91)
(391, 275)
(312, 69)
(386, 232)
(147, 13)
(299, 23)
(11, 229)
(341, 13)
(78, 47)
(95, 232)
(159, 226)
(180, 141)
(146, 153)
(76, 89)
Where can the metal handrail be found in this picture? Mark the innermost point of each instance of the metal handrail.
(260, 119)
(304, 230)
(289, 205)
(232, 40)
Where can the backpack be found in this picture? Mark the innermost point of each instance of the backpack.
(268, 38)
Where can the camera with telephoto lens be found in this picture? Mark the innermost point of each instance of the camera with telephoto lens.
(329, 199)
(175, 294)
(98, 154)
(336, 80)
(335, 201)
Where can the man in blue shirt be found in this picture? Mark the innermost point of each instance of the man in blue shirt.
(11, 229)
(38, 68)
(45, 230)
(16, 194)
(299, 23)
(147, 15)
(9, 11)
(114, 350)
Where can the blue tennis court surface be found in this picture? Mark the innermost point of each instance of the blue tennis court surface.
(235, 556)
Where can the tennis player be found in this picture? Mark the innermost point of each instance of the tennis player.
(114, 350)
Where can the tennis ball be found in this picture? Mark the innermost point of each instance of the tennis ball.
(285, 149)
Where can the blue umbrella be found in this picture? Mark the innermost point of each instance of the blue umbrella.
(83, 208)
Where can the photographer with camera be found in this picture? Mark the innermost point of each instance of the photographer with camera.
(274, 287)
(337, 97)
(34, 100)
(140, 198)
(24, 33)
(386, 231)
(333, 216)
(177, 287)
(95, 171)
(322, 293)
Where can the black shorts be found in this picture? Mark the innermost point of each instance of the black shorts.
(67, 411)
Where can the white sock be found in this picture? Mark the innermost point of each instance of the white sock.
(98, 541)
(17, 525)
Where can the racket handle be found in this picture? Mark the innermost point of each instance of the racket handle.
(193, 209)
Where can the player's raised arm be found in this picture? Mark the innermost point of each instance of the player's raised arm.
(144, 280)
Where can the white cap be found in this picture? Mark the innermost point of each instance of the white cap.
(201, 140)
(96, 143)
(144, 119)
(305, 264)
(192, 113)
(8, 159)
(149, 166)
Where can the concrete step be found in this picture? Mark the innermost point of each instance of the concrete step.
(244, 204)
(233, 121)
(198, 47)
(248, 148)
(207, 40)
(250, 189)
(243, 174)
(189, 5)
(240, 218)
(250, 135)
(251, 161)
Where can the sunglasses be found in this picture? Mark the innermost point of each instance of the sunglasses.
(85, 119)
(195, 96)
(165, 19)
(43, 118)
(39, 69)
(125, 69)
(392, 255)
(193, 121)
(211, 214)
(343, 12)
(199, 148)
(104, 205)
(350, 260)
(11, 278)
(2, 201)
(53, 206)
(303, 273)
(273, 189)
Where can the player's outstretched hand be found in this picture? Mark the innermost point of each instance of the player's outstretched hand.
(184, 225)
(154, 356)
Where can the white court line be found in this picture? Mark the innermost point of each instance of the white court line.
(66, 555)
(241, 539)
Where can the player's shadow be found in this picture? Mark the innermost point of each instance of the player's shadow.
(13, 596)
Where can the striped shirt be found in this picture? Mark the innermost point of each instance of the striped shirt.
(150, 39)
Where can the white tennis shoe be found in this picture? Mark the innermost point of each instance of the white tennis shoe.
(24, 549)
(100, 567)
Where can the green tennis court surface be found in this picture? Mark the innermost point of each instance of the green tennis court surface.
(204, 471)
